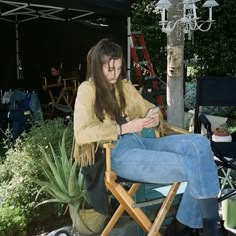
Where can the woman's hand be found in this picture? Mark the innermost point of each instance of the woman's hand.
(136, 125)
(155, 121)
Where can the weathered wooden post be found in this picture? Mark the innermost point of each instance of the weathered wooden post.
(175, 64)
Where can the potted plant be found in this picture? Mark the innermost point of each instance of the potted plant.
(221, 134)
(65, 184)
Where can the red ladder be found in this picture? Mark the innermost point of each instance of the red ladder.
(144, 67)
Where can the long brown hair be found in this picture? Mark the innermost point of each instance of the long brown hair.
(105, 101)
(89, 59)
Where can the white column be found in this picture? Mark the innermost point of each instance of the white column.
(17, 51)
(128, 46)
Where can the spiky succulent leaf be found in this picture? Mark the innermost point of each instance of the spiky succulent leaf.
(68, 190)
(40, 190)
(81, 180)
(48, 174)
(47, 201)
(53, 168)
(73, 187)
(54, 190)
(74, 212)
(66, 164)
(58, 164)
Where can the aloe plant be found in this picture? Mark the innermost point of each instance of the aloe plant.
(64, 182)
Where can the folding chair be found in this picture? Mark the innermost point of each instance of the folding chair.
(65, 91)
(126, 200)
(217, 91)
(50, 88)
(68, 92)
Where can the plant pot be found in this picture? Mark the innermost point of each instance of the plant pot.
(221, 138)
(221, 135)
(89, 221)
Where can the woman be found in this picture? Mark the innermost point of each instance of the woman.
(56, 75)
(109, 108)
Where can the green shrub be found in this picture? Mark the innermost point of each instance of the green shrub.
(12, 221)
(16, 187)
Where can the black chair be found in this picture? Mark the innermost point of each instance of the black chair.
(217, 91)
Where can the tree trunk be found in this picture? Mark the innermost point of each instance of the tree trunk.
(175, 62)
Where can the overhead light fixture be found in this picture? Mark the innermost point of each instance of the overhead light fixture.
(190, 21)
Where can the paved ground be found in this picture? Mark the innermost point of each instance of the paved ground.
(124, 227)
(127, 227)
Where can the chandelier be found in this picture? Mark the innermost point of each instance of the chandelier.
(190, 21)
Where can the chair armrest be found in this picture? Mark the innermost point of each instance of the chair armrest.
(47, 86)
(207, 124)
(108, 148)
(109, 174)
(69, 81)
(174, 128)
(52, 86)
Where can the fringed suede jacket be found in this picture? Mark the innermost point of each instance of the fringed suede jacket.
(89, 131)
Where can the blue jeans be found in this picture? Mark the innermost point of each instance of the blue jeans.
(175, 158)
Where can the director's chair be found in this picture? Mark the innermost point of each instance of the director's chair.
(217, 91)
(65, 91)
(68, 92)
(126, 200)
(50, 89)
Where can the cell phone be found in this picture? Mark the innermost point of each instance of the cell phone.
(152, 111)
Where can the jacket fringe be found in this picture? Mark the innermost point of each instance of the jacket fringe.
(85, 153)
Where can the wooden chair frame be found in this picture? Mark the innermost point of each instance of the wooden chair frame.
(125, 198)
(49, 87)
(67, 92)
(69, 87)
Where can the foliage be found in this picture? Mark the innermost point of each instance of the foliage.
(214, 49)
(64, 183)
(145, 19)
(16, 187)
(26, 147)
(12, 221)
(231, 125)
